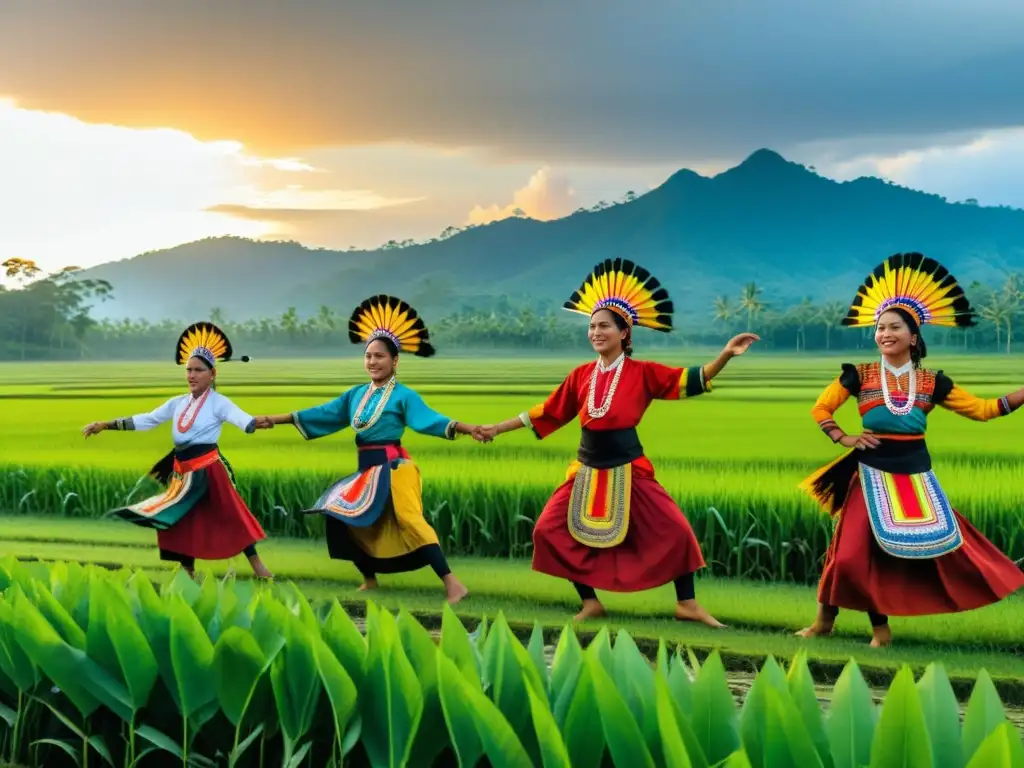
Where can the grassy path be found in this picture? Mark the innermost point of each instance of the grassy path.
(761, 616)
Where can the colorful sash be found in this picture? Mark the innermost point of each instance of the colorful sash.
(360, 498)
(187, 484)
(910, 514)
(599, 505)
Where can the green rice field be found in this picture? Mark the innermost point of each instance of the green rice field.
(732, 458)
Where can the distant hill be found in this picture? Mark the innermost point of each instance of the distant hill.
(769, 220)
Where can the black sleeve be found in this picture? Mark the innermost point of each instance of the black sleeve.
(850, 378)
(943, 386)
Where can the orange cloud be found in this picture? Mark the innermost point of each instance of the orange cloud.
(545, 196)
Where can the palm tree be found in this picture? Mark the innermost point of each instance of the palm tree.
(831, 315)
(750, 302)
(724, 311)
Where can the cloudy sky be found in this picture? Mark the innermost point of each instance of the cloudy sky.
(132, 125)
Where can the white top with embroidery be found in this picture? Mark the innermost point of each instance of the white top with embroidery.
(216, 411)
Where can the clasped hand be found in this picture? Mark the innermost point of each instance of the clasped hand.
(264, 422)
(484, 433)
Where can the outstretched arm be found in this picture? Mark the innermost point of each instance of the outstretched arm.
(140, 422)
(227, 411)
(318, 421)
(559, 409)
(420, 417)
(953, 398)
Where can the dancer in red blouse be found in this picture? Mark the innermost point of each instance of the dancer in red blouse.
(611, 525)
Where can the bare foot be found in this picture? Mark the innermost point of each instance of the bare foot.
(817, 629)
(367, 585)
(691, 610)
(261, 571)
(456, 589)
(592, 609)
(882, 638)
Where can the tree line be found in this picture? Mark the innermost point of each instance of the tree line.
(48, 317)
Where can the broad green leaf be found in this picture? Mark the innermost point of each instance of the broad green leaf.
(771, 727)
(565, 672)
(634, 679)
(183, 585)
(14, 662)
(393, 698)
(901, 737)
(1001, 749)
(737, 759)
(341, 691)
(346, 641)
(851, 719)
(942, 714)
(805, 699)
(58, 661)
(468, 710)
(205, 605)
(57, 616)
(536, 650)
(298, 605)
(680, 685)
(432, 734)
(238, 663)
(601, 644)
(714, 711)
(296, 681)
(506, 673)
(268, 618)
(192, 661)
(984, 714)
(456, 646)
(155, 622)
(679, 745)
(622, 733)
(549, 740)
(584, 742)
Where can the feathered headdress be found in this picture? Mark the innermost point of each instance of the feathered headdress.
(386, 317)
(916, 284)
(628, 290)
(206, 341)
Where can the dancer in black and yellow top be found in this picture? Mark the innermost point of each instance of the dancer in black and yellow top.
(899, 547)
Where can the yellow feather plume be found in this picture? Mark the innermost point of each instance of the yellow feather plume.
(204, 340)
(387, 317)
(627, 289)
(916, 284)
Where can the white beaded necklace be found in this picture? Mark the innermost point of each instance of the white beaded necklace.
(358, 425)
(597, 413)
(899, 410)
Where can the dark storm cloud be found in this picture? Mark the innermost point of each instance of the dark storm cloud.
(603, 81)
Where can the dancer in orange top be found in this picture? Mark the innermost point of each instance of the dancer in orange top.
(611, 525)
(899, 547)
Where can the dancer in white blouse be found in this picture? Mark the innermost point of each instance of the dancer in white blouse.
(200, 514)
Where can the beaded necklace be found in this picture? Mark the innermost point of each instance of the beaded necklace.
(897, 373)
(358, 425)
(184, 426)
(597, 413)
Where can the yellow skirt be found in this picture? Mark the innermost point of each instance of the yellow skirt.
(401, 528)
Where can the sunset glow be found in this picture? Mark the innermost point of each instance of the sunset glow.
(82, 194)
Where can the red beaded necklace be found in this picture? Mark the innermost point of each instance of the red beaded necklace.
(184, 426)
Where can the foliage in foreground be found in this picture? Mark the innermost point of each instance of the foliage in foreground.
(98, 667)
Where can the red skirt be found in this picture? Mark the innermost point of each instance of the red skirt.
(218, 526)
(859, 576)
(659, 546)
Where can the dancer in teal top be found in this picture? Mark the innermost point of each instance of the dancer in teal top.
(374, 516)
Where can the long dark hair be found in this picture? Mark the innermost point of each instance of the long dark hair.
(627, 343)
(919, 351)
